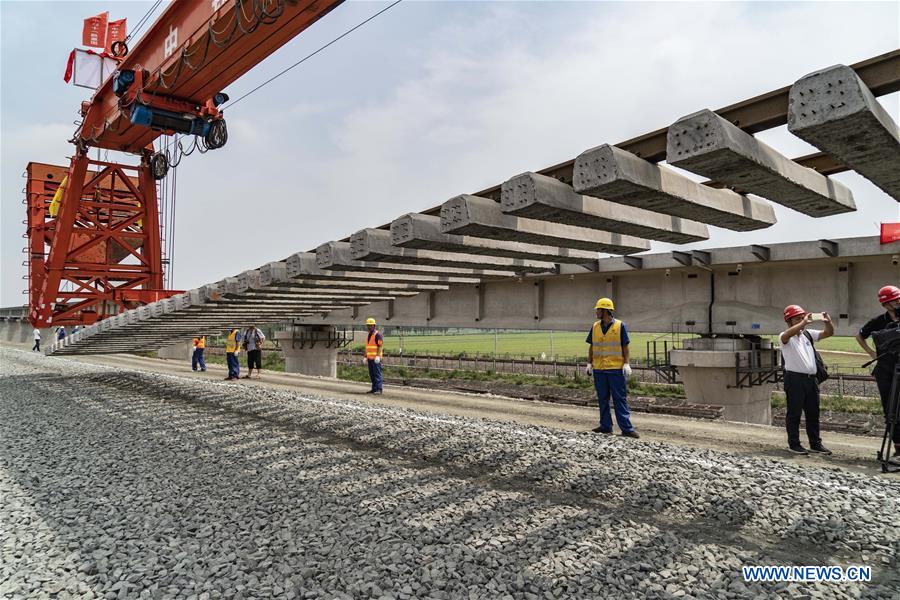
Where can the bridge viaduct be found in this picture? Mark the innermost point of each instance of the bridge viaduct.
(531, 252)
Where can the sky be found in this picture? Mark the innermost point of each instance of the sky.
(432, 100)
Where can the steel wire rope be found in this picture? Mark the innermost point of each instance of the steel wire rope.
(311, 54)
(211, 31)
(143, 21)
(174, 197)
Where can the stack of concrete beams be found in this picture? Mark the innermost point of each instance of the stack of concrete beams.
(615, 202)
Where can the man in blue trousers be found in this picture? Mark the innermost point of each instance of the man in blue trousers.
(608, 363)
(199, 349)
(232, 348)
(374, 354)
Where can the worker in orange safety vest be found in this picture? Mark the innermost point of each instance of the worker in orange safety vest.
(197, 357)
(374, 353)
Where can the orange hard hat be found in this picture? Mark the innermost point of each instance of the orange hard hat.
(888, 293)
(794, 310)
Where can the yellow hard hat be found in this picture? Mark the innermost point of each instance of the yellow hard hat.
(605, 303)
(370, 321)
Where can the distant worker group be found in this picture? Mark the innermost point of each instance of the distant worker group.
(250, 340)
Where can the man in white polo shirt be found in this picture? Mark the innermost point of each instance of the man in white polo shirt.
(800, 384)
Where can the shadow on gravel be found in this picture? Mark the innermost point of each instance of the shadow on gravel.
(185, 492)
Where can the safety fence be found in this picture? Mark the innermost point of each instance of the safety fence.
(840, 383)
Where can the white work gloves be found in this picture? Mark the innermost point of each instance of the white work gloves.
(365, 361)
(588, 369)
(626, 370)
(377, 360)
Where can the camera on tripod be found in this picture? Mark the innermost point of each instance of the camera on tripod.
(887, 341)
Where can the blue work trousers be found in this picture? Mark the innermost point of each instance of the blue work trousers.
(197, 359)
(234, 367)
(612, 382)
(375, 374)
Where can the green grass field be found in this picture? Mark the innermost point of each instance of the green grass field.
(567, 345)
(562, 344)
(274, 362)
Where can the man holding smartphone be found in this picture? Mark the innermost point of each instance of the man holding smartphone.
(800, 385)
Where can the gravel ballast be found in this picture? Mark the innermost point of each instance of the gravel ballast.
(118, 483)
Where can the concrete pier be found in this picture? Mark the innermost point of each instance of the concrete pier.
(375, 244)
(482, 217)
(708, 369)
(19, 331)
(423, 232)
(309, 350)
(541, 197)
(614, 174)
(706, 144)
(182, 350)
(835, 111)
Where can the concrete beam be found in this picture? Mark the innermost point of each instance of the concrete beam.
(289, 294)
(835, 111)
(423, 232)
(707, 144)
(197, 318)
(482, 217)
(614, 174)
(226, 291)
(829, 247)
(540, 197)
(198, 321)
(761, 252)
(336, 256)
(848, 248)
(701, 257)
(375, 244)
(304, 265)
(684, 259)
(161, 329)
(305, 285)
(635, 262)
(293, 288)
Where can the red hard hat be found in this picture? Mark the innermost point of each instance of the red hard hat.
(794, 310)
(888, 293)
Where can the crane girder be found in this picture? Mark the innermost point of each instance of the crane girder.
(193, 51)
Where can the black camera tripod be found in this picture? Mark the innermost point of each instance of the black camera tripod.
(892, 421)
(891, 418)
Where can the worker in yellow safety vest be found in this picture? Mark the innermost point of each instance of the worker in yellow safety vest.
(232, 347)
(197, 357)
(608, 364)
(374, 353)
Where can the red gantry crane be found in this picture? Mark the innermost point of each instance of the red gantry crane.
(93, 228)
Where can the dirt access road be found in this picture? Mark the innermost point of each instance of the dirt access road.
(855, 453)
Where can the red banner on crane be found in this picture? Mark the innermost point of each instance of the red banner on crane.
(94, 32)
(115, 32)
(890, 232)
